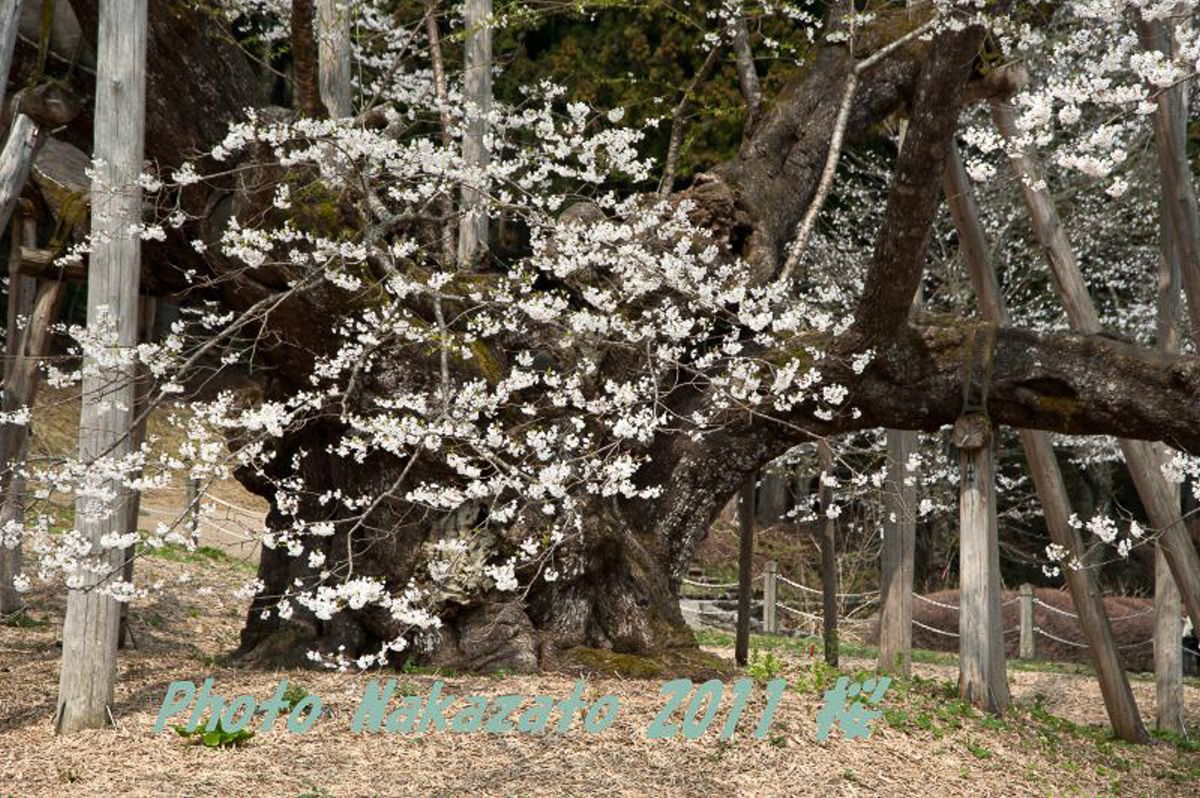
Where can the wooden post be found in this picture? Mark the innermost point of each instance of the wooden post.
(89, 652)
(1178, 194)
(770, 585)
(25, 137)
(333, 56)
(829, 579)
(477, 91)
(1168, 653)
(10, 13)
(899, 545)
(1142, 457)
(1168, 631)
(14, 436)
(1047, 477)
(741, 649)
(982, 677)
(193, 500)
(1028, 648)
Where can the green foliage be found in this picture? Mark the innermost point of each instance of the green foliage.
(219, 737)
(764, 666)
(979, 751)
(293, 695)
(22, 619)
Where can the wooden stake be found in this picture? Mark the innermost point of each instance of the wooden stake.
(770, 588)
(741, 648)
(1028, 646)
(88, 672)
(1047, 477)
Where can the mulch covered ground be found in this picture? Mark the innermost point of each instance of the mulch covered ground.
(926, 745)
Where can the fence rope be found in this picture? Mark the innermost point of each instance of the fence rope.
(933, 629)
(713, 585)
(935, 602)
(813, 590)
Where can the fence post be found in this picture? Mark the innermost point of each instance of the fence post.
(1027, 644)
(193, 499)
(770, 623)
(741, 644)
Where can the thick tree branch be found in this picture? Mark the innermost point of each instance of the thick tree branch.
(899, 257)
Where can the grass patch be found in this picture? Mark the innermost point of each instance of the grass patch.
(201, 555)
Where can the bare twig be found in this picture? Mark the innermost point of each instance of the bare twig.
(805, 228)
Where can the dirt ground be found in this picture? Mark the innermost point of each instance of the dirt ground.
(924, 744)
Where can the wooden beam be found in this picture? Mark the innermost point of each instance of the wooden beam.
(1043, 467)
(982, 677)
(10, 11)
(89, 654)
(34, 263)
(1142, 457)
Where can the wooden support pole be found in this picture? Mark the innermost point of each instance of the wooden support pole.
(13, 437)
(1028, 648)
(10, 13)
(829, 576)
(982, 677)
(1047, 477)
(147, 311)
(1142, 457)
(89, 652)
(770, 588)
(477, 91)
(193, 508)
(1168, 631)
(1178, 193)
(16, 159)
(899, 545)
(333, 54)
(741, 648)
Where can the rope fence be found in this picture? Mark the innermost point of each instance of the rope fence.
(1027, 628)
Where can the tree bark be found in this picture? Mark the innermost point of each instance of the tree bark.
(88, 670)
(305, 61)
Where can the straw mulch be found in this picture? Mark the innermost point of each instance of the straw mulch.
(180, 632)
